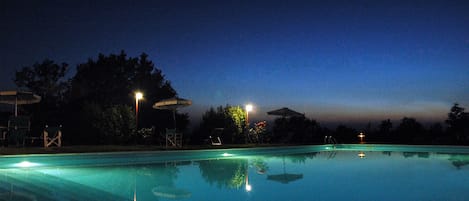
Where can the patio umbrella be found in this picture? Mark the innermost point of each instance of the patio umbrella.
(284, 178)
(18, 98)
(285, 112)
(171, 192)
(172, 104)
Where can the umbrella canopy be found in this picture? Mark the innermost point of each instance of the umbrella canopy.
(172, 104)
(285, 112)
(171, 192)
(284, 178)
(18, 98)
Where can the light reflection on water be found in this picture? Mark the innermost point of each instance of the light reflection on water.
(330, 175)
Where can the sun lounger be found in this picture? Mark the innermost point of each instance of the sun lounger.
(215, 141)
(215, 136)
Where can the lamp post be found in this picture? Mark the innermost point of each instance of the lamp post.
(138, 96)
(248, 109)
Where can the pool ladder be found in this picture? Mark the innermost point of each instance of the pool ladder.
(328, 139)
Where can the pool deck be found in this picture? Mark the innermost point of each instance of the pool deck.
(117, 148)
(5, 151)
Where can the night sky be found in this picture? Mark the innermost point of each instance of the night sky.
(335, 61)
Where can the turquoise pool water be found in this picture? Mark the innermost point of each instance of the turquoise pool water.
(342, 172)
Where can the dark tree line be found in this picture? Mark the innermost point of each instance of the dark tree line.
(410, 131)
(97, 105)
(301, 130)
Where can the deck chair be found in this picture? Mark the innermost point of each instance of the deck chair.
(18, 128)
(215, 141)
(173, 138)
(3, 135)
(52, 136)
(215, 136)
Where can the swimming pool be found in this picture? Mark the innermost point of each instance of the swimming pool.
(325, 172)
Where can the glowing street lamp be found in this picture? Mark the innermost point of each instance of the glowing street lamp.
(248, 109)
(138, 96)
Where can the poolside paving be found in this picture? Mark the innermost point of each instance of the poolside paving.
(114, 148)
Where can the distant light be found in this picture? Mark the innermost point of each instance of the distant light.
(248, 107)
(248, 187)
(227, 154)
(361, 135)
(26, 164)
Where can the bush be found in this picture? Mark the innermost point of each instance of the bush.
(118, 125)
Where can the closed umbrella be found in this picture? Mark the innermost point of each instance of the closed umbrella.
(285, 112)
(172, 104)
(18, 98)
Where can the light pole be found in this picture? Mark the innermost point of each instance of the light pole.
(248, 109)
(138, 96)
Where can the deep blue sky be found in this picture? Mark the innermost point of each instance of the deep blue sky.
(333, 60)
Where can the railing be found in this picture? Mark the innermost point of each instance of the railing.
(330, 140)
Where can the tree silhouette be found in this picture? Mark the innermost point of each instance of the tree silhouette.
(409, 131)
(231, 118)
(436, 133)
(299, 130)
(46, 79)
(226, 173)
(113, 79)
(101, 91)
(458, 123)
(346, 134)
(280, 129)
(110, 81)
(384, 129)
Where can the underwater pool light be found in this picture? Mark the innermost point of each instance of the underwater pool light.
(26, 164)
(226, 154)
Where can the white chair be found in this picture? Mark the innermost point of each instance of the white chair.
(215, 141)
(216, 133)
(52, 136)
(173, 138)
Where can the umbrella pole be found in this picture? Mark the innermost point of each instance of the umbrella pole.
(174, 119)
